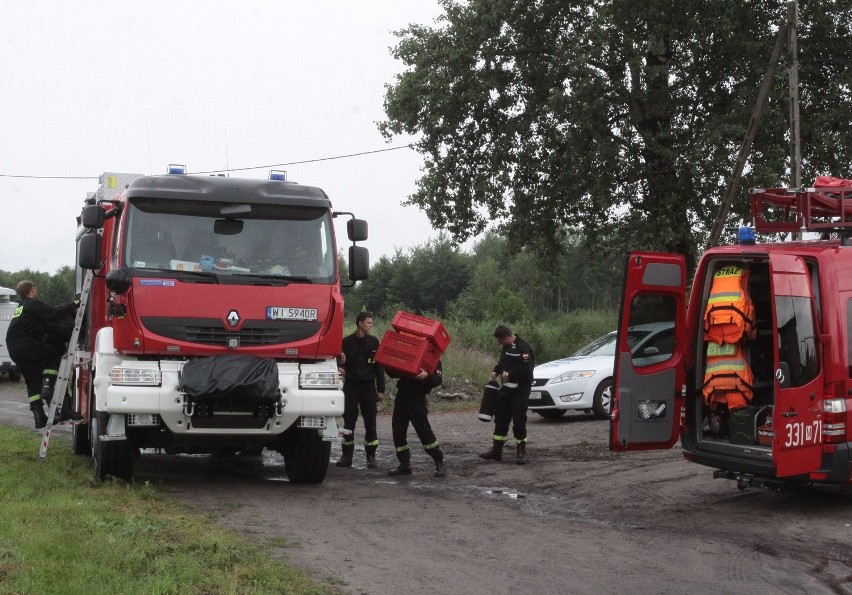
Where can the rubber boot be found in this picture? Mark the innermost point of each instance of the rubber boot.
(47, 389)
(370, 450)
(438, 456)
(521, 456)
(496, 452)
(67, 412)
(346, 457)
(404, 467)
(37, 407)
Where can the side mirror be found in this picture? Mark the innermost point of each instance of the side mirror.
(359, 263)
(356, 229)
(92, 217)
(119, 281)
(89, 254)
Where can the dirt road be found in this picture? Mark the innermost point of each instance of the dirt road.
(576, 519)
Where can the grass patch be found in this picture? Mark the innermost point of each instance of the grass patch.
(60, 532)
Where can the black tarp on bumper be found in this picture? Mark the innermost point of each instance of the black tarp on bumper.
(247, 377)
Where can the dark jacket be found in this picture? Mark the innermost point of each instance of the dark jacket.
(409, 386)
(34, 319)
(516, 359)
(361, 363)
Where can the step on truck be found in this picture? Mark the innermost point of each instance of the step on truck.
(759, 384)
(215, 320)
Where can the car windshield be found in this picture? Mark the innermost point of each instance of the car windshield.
(606, 345)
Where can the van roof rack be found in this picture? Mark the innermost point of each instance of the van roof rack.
(822, 209)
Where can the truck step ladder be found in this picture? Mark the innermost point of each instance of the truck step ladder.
(66, 366)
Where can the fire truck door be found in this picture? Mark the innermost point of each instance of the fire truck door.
(648, 403)
(797, 446)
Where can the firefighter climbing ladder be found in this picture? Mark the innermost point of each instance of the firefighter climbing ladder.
(65, 366)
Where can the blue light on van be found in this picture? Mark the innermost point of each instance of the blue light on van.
(179, 170)
(280, 176)
(745, 236)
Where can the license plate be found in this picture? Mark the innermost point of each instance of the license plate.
(535, 396)
(287, 313)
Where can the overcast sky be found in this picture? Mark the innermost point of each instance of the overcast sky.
(88, 87)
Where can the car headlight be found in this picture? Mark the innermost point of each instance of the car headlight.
(320, 380)
(573, 375)
(135, 376)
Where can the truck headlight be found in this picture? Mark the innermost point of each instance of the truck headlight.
(135, 376)
(320, 380)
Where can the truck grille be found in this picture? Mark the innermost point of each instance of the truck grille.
(211, 331)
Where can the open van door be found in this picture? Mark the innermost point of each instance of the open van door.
(797, 419)
(648, 400)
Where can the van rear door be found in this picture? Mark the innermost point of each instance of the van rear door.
(648, 400)
(797, 418)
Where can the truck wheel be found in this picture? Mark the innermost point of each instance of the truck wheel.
(112, 458)
(306, 457)
(602, 403)
(81, 443)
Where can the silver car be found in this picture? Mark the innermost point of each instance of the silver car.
(583, 381)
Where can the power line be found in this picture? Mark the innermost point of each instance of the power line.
(347, 156)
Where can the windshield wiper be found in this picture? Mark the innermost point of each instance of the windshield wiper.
(282, 278)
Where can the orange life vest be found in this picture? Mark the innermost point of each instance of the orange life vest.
(729, 317)
(728, 378)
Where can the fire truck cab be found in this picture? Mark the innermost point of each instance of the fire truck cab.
(214, 322)
(795, 426)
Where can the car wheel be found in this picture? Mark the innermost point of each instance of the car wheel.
(602, 404)
(551, 413)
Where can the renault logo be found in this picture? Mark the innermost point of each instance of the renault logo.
(233, 318)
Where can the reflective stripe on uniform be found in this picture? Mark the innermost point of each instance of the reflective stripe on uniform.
(402, 448)
(435, 444)
(373, 443)
(499, 438)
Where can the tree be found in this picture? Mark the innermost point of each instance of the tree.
(622, 118)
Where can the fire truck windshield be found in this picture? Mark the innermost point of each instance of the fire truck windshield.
(263, 240)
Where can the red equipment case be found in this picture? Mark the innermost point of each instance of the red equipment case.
(406, 322)
(407, 354)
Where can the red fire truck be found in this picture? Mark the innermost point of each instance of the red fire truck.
(795, 425)
(214, 320)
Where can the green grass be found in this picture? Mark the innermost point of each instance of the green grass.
(62, 533)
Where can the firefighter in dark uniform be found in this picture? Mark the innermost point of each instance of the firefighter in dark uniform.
(36, 339)
(515, 368)
(410, 407)
(363, 388)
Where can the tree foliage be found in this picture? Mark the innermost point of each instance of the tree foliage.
(52, 289)
(621, 118)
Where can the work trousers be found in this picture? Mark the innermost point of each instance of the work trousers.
(512, 407)
(359, 395)
(411, 409)
(33, 358)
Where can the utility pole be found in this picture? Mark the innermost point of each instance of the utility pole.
(786, 37)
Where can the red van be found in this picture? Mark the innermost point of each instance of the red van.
(795, 426)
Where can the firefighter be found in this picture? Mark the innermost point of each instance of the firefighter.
(363, 388)
(515, 368)
(410, 407)
(36, 341)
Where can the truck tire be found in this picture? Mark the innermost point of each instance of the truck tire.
(81, 442)
(306, 456)
(602, 402)
(113, 458)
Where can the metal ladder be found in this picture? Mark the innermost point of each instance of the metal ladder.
(66, 366)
